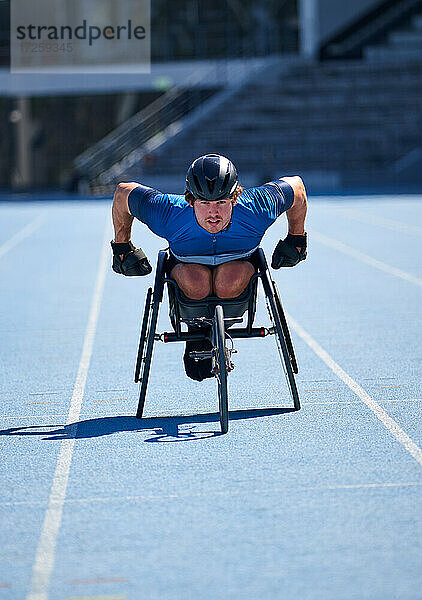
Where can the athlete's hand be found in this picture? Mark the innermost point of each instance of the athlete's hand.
(127, 260)
(290, 251)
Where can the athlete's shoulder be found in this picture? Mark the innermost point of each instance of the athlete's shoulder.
(153, 206)
(255, 195)
(145, 193)
(270, 199)
(176, 200)
(284, 187)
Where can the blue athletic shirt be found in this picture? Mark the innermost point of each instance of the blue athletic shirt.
(169, 216)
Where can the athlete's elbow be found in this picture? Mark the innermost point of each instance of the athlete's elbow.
(301, 186)
(300, 196)
(117, 193)
(121, 194)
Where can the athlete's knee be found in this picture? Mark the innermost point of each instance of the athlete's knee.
(231, 279)
(193, 279)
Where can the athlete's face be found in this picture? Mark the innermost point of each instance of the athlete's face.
(213, 216)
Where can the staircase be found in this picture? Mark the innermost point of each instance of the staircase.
(403, 45)
(335, 120)
(129, 150)
(338, 123)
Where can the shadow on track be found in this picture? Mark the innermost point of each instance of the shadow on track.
(176, 428)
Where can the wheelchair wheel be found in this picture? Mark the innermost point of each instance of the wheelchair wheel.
(146, 362)
(282, 349)
(219, 343)
(149, 326)
(286, 331)
(144, 328)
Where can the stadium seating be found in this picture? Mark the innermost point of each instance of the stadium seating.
(347, 118)
(405, 45)
(340, 121)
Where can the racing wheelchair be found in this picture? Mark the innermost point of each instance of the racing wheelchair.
(212, 318)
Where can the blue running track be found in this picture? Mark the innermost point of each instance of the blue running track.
(323, 504)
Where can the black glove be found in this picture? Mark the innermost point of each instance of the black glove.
(134, 261)
(286, 253)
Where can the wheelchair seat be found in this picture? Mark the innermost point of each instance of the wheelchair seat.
(193, 309)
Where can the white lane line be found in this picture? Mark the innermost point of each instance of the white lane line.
(21, 235)
(378, 411)
(391, 401)
(391, 224)
(60, 416)
(226, 492)
(44, 559)
(365, 258)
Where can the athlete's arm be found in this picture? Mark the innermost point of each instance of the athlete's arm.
(293, 249)
(122, 219)
(127, 260)
(297, 212)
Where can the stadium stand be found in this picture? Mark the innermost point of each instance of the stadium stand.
(65, 125)
(133, 144)
(372, 27)
(401, 46)
(358, 116)
(341, 121)
(64, 121)
(337, 122)
(215, 29)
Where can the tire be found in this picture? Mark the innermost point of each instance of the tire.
(146, 363)
(145, 322)
(283, 351)
(149, 325)
(286, 331)
(221, 366)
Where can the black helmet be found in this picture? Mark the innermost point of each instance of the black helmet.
(211, 177)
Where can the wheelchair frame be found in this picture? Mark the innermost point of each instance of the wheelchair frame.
(220, 314)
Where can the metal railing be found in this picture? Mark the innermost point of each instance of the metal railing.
(126, 142)
(106, 161)
(371, 29)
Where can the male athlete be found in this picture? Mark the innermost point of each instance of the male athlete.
(213, 232)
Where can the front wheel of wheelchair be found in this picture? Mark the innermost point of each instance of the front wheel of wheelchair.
(220, 367)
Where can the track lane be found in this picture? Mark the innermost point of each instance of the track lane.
(43, 299)
(271, 509)
(44, 559)
(333, 445)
